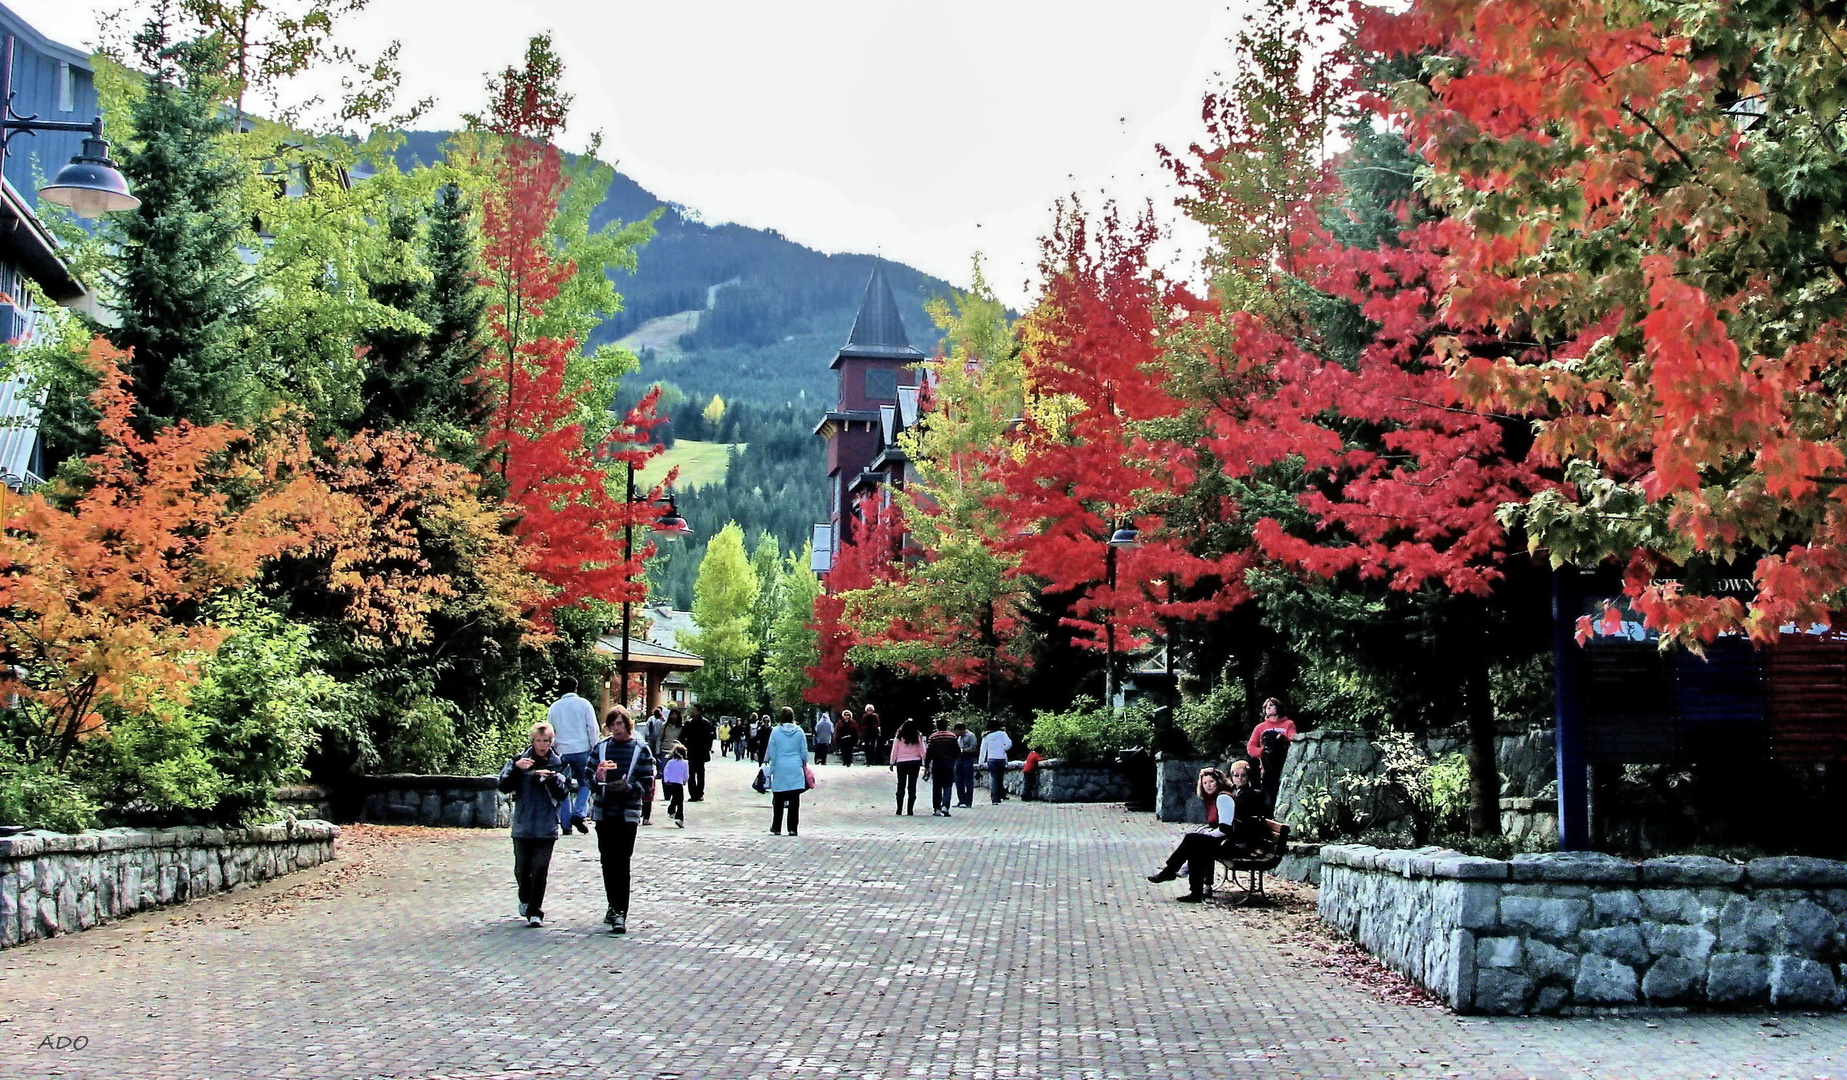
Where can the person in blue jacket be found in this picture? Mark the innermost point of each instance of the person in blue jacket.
(787, 760)
(535, 779)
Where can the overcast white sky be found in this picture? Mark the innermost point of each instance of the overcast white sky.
(921, 131)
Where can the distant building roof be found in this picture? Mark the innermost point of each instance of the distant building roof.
(647, 654)
(667, 624)
(878, 332)
(12, 24)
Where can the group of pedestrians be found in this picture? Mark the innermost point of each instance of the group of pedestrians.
(868, 734)
(575, 771)
(947, 758)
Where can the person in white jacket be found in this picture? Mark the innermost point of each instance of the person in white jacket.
(573, 720)
(994, 747)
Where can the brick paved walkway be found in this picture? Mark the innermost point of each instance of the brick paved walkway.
(1010, 941)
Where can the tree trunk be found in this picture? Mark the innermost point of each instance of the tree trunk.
(1484, 770)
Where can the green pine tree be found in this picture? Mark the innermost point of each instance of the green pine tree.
(454, 306)
(180, 289)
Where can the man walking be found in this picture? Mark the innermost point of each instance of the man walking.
(966, 744)
(940, 753)
(823, 737)
(872, 735)
(994, 747)
(697, 737)
(623, 769)
(573, 721)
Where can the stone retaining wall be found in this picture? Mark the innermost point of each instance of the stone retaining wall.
(1061, 781)
(1176, 788)
(1570, 932)
(456, 802)
(1317, 759)
(58, 883)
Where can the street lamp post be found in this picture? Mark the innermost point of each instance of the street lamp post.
(1125, 538)
(670, 526)
(90, 184)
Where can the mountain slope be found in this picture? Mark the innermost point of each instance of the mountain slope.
(770, 313)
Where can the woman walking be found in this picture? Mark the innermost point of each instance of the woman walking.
(846, 733)
(535, 779)
(786, 758)
(907, 755)
(623, 768)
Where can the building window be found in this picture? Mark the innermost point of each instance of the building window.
(67, 87)
(881, 383)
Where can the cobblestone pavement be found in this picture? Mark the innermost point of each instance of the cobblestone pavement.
(1009, 941)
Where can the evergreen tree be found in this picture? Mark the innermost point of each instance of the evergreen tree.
(723, 600)
(766, 564)
(179, 288)
(794, 646)
(419, 376)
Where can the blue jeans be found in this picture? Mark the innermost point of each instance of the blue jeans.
(576, 766)
(965, 781)
(997, 776)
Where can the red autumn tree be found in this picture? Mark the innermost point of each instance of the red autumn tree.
(1091, 453)
(1650, 197)
(571, 524)
(873, 554)
(1324, 372)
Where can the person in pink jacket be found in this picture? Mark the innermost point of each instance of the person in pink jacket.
(907, 758)
(1269, 746)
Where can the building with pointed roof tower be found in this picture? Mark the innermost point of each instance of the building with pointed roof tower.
(877, 376)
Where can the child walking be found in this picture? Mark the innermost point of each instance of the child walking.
(673, 780)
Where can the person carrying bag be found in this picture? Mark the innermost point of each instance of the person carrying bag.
(624, 770)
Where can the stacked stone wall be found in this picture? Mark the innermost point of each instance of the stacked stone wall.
(59, 883)
(1571, 932)
(1062, 781)
(455, 802)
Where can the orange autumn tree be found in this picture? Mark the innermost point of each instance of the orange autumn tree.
(405, 536)
(571, 524)
(102, 578)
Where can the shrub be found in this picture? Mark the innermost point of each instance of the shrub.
(1217, 721)
(243, 730)
(1449, 796)
(40, 797)
(1089, 732)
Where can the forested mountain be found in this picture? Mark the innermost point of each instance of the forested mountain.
(775, 485)
(770, 312)
(754, 319)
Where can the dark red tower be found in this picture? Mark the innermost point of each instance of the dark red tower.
(875, 370)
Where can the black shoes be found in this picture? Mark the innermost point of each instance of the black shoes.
(1191, 898)
(1163, 874)
(618, 924)
(578, 824)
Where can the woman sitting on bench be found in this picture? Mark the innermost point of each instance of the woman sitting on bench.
(1234, 811)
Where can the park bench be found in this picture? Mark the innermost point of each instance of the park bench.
(1272, 845)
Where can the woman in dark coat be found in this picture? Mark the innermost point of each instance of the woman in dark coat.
(1234, 813)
